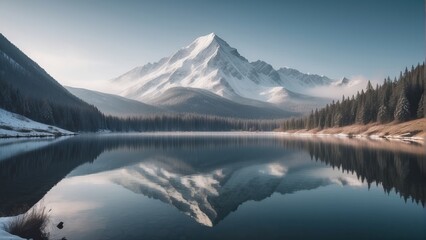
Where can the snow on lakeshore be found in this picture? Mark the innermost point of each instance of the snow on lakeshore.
(15, 125)
(3, 234)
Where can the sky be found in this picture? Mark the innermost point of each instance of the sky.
(83, 43)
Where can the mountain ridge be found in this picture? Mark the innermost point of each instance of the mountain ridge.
(180, 100)
(210, 63)
(27, 89)
(11, 57)
(115, 105)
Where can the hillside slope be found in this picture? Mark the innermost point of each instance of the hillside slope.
(15, 125)
(199, 101)
(26, 89)
(114, 105)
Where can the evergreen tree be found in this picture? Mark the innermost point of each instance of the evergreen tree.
(361, 111)
(369, 86)
(316, 118)
(383, 114)
(310, 121)
(402, 99)
(353, 111)
(421, 109)
(338, 119)
(402, 110)
(46, 113)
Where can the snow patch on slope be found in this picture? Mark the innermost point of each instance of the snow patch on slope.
(15, 125)
(3, 234)
(208, 63)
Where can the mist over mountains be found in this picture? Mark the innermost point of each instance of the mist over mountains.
(208, 78)
(211, 64)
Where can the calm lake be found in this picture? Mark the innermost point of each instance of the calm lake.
(218, 186)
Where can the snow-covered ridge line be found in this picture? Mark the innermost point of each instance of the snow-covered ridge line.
(15, 125)
(210, 63)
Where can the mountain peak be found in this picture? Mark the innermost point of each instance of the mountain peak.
(209, 37)
(344, 82)
(211, 64)
(212, 34)
(208, 40)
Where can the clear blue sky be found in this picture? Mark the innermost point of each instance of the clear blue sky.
(81, 42)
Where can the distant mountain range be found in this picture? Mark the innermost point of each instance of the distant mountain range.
(208, 77)
(209, 63)
(179, 100)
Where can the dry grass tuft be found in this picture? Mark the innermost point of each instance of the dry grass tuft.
(31, 225)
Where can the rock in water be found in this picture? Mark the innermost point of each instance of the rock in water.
(60, 225)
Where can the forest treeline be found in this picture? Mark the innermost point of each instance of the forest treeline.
(399, 100)
(73, 117)
(188, 122)
(90, 119)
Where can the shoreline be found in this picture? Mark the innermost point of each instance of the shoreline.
(5, 235)
(413, 131)
(4, 136)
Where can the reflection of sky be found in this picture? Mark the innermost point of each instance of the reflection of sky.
(98, 207)
(133, 193)
(228, 186)
(336, 177)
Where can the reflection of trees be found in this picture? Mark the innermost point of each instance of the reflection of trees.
(26, 178)
(402, 171)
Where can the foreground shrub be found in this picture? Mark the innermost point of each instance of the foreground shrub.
(31, 225)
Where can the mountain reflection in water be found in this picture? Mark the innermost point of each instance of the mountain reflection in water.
(208, 177)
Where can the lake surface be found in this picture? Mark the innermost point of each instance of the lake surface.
(218, 186)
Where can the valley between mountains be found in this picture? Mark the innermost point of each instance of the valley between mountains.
(205, 86)
(210, 77)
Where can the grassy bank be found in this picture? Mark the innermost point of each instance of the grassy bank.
(31, 225)
(415, 130)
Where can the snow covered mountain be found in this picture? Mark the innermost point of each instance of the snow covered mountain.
(348, 83)
(300, 82)
(209, 63)
(292, 79)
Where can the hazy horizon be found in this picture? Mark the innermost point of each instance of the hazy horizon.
(81, 44)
